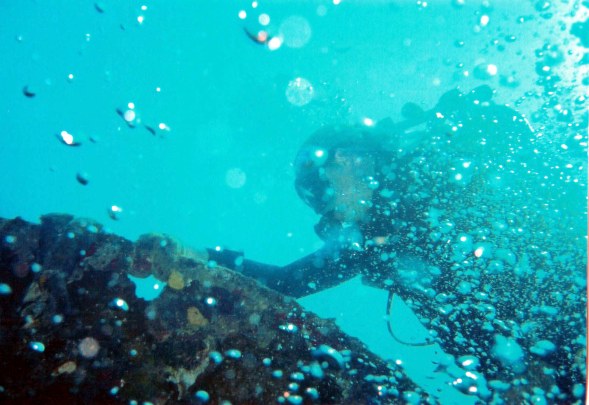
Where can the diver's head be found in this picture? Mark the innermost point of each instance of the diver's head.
(336, 172)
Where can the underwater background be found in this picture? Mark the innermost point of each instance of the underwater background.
(184, 117)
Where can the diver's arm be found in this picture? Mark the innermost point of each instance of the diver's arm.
(234, 260)
(312, 273)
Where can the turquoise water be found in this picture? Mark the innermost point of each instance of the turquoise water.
(188, 115)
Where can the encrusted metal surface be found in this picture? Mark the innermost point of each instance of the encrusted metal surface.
(73, 330)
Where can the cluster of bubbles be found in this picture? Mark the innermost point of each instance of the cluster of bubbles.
(294, 32)
(129, 114)
(83, 177)
(323, 356)
(133, 119)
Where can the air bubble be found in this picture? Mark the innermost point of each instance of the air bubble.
(324, 352)
(5, 289)
(373, 184)
(294, 399)
(37, 346)
(411, 397)
(129, 115)
(543, 348)
(319, 156)
(233, 354)
(115, 212)
(299, 92)
(499, 385)
(485, 71)
(235, 178)
(464, 288)
(509, 353)
(295, 31)
(264, 19)
(289, 328)
(57, 319)
(469, 362)
(120, 303)
(274, 43)
(216, 357)
(297, 376)
(316, 371)
(202, 396)
(542, 5)
(578, 390)
(509, 81)
(67, 139)
(312, 393)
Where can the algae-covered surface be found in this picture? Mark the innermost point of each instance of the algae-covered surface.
(74, 331)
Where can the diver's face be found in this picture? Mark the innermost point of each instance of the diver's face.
(348, 174)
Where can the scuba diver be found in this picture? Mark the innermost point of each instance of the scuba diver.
(412, 207)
